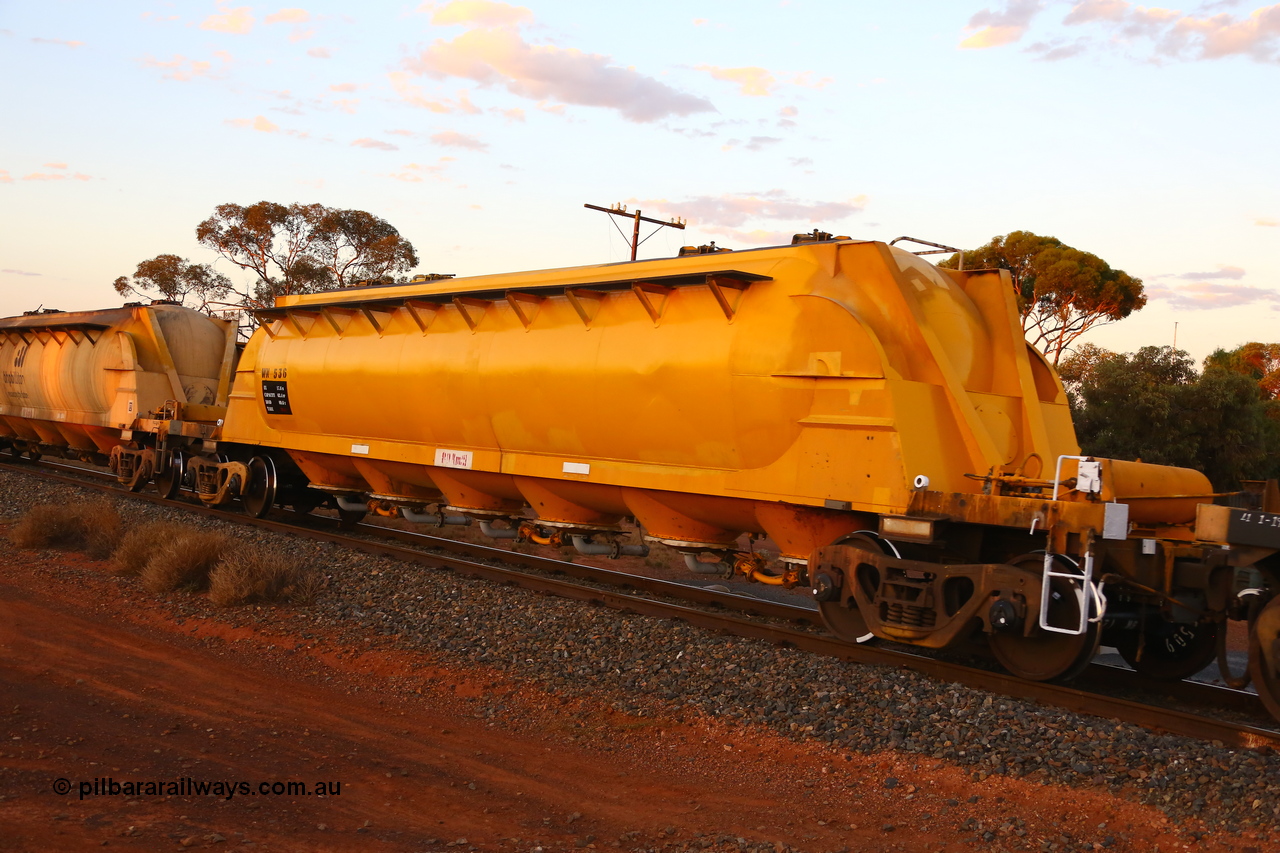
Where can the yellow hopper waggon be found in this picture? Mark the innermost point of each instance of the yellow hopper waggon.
(837, 414)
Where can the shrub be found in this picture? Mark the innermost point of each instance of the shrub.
(139, 544)
(100, 528)
(184, 562)
(93, 527)
(44, 526)
(249, 573)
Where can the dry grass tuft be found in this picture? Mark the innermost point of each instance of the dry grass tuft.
(100, 527)
(252, 573)
(92, 527)
(140, 543)
(44, 526)
(184, 562)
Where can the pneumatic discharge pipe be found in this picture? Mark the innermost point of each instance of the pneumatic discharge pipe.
(696, 565)
(492, 532)
(587, 548)
(435, 519)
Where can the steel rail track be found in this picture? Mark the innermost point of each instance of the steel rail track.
(1072, 698)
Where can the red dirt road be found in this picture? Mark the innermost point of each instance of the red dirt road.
(99, 680)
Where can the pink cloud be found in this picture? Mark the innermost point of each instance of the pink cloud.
(1057, 49)
(19, 272)
(735, 210)
(1204, 295)
(1223, 271)
(237, 21)
(752, 81)
(71, 44)
(56, 176)
(482, 13)
(5, 177)
(454, 139)
(756, 236)
(996, 28)
(375, 143)
(755, 143)
(1266, 223)
(756, 82)
(512, 115)
(501, 57)
(259, 123)
(343, 87)
(1176, 36)
(55, 165)
(1096, 10)
(288, 16)
(417, 172)
(414, 95)
(182, 69)
(319, 53)
(464, 103)
(805, 79)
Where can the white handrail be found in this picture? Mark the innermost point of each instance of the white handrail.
(1057, 471)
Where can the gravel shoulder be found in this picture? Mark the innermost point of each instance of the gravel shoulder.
(459, 714)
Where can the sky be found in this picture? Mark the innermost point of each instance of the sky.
(1145, 135)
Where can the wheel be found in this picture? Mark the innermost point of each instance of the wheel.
(302, 501)
(847, 622)
(1046, 655)
(14, 452)
(1253, 603)
(1264, 656)
(348, 518)
(1170, 651)
(259, 494)
(168, 483)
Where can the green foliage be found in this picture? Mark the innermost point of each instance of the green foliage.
(1081, 366)
(175, 278)
(1152, 405)
(304, 248)
(1260, 362)
(1063, 292)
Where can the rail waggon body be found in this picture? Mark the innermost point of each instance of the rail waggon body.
(837, 414)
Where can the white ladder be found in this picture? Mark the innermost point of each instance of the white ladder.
(1083, 592)
(1089, 478)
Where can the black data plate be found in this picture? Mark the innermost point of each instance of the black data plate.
(1250, 527)
(275, 396)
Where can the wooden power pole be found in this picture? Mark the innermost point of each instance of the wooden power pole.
(621, 210)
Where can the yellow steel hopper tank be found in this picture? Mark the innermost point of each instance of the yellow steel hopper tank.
(879, 425)
(78, 382)
(797, 392)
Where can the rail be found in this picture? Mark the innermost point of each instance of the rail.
(608, 589)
